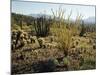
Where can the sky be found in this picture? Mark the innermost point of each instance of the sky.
(26, 8)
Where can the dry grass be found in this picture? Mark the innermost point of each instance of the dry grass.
(63, 37)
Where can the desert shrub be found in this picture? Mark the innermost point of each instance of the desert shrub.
(88, 58)
(60, 31)
(15, 27)
(89, 63)
(74, 29)
(44, 66)
(27, 28)
(74, 26)
(90, 28)
(66, 61)
(63, 37)
(56, 61)
(42, 26)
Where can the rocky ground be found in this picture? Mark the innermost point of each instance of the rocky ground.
(31, 54)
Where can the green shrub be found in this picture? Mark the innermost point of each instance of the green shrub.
(66, 61)
(56, 62)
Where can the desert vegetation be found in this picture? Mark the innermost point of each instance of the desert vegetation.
(51, 44)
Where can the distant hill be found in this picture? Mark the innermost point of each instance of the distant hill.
(90, 20)
(38, 15)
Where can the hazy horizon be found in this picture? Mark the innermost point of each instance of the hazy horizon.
(28, 7)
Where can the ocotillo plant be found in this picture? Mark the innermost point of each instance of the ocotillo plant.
(42, 26)
(58, 16)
